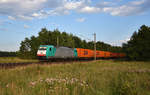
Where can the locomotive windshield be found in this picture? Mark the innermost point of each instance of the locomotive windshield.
(42, 48)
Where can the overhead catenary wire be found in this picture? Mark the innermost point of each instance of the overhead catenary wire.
(94, 43)
(84, 37)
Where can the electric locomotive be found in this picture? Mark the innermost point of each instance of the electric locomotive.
(51, 52)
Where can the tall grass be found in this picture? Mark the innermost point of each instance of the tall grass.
(94, 78)
(15, 60)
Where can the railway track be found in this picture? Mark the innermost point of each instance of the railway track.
(13, 65)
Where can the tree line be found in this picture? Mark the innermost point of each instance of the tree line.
(138, 47)
(29, 46)
(7, 54)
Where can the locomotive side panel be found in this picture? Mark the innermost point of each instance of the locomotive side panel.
(64, 52)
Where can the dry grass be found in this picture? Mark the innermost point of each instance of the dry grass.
(15, 60)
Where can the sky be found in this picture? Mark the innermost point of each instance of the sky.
(113, 21)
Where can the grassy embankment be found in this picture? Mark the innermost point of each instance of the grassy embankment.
(94, 78)
(15, 60)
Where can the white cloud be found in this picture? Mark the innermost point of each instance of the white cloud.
(89, 9)
(124, 41)
(25, 9)
(26, 26)
(105, 4)
(73, 5)
(80, 19)
(40, 14)
(24, 17)
(36, 15)
(30, 9)
(122, 10)
(20, 7)
(58, 11)
(138, 2)
(119, 42)
(61, 10)
(11, 18)
(131, 8)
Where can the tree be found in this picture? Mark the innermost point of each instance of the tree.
(137, 48)
(7, 54)
(77, 42)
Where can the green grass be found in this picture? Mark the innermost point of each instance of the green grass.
(94, 78)
(15, 60)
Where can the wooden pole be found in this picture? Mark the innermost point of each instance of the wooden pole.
(57, 41)
(95, 46)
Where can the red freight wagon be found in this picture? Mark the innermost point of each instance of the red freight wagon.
(122, 55)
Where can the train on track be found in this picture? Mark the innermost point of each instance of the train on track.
(48, 52)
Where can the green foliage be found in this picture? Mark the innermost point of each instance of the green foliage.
(138, 47)
(30, 45)
(106, 47)
(7, 54)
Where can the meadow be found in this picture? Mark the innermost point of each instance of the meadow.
(15, 60)
(103, 77)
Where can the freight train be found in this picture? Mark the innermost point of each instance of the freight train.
(51, 52)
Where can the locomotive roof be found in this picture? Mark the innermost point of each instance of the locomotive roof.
(46, 46)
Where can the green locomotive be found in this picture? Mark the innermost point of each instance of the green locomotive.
(49, 51)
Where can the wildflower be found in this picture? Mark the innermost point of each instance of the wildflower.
(7, 85)
(48, 80)
(66, 88)
(41, 80)
(32, 83)
(81, 84)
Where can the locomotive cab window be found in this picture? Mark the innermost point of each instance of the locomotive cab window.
(50, 49)
(42, 49)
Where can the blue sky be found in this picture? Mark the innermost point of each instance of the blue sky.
(113, 21)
